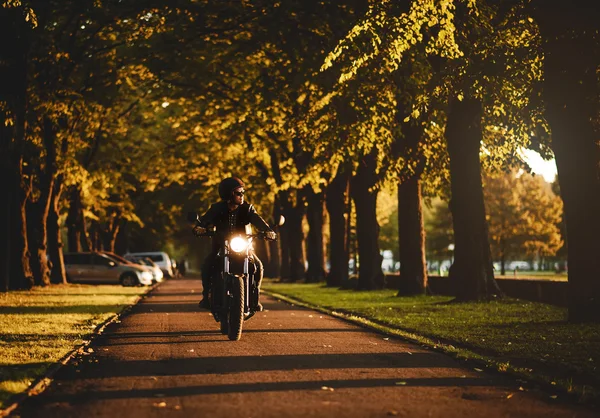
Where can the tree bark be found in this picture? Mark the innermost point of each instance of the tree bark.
(110, 232)
(570, 91)
(14, 50)
(21, 271)
(315, 248)
(472, 267)
(284, 237)
(41, 208)
(294, 216)
(58, 272)
(337, 198)
(411, 233)
(370, 274)
(273, 266)
(74, 220)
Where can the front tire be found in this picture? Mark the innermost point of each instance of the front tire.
(236, 308)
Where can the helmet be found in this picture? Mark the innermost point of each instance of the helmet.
(228, 185)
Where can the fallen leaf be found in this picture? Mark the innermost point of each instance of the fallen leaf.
(392, 413)
(554, 396)
(408, 352)
(192, 350)
(401, 383)
(477, 370)
(178, 407)
(160, 404)
(510, 395)
(386, 339)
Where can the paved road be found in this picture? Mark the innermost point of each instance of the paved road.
(167, 358)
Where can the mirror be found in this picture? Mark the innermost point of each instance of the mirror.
(192, 217)
(281, 220)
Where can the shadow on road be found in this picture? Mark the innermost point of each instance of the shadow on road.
(239, 364)
(165, 392)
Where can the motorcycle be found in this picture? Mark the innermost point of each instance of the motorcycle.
(234, 291)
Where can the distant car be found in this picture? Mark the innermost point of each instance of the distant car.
(157, 274)
(95, 267)
(161, 259)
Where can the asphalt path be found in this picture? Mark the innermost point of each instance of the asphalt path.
(168, 358)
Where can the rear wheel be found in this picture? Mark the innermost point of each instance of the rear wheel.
(236, 308)
(129, 279)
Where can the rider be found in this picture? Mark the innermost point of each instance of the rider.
(230, 215)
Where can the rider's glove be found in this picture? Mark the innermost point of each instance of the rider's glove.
(270, 235)
(199, 230)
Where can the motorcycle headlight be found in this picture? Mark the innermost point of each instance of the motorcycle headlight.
(238, 244)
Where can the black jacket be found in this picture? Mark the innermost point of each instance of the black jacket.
(227, 222)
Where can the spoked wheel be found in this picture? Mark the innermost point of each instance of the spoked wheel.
(236, 309)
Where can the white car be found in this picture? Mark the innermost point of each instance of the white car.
(157, 274)
(161, 259)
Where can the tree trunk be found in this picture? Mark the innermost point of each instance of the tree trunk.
(295, 215)
(110, 232)
(472, 267)
(6, 209)
(74, 220)
(284, 237)
(370, 274)
(14, 49)
(315, 248)
(411, 234)
(58, 272)
(571, 93)
(96, 243)
(41, 208)
(20, 256)
(338, 196)
(273, 266)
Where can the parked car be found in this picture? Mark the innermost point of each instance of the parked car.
(157, 274)
(161, 259)
(156, 277)
(95, 267)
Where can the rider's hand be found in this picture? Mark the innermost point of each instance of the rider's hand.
(270, 235)
(198, 230)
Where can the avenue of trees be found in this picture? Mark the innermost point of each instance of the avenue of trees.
(116, 118)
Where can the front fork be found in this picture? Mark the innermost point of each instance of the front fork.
(226, 274)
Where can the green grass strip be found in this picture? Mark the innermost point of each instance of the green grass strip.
(530, 340)
(41, 326)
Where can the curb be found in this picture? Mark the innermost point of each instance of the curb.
(41, 383)
(483, 363)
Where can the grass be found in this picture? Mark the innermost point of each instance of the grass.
(530, 339)
(41, 326)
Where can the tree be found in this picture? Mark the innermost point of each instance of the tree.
(570, 92)
(523, 216)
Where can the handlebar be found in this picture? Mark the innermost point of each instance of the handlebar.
(260, 235)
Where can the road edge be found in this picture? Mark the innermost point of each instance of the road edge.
(41, 383)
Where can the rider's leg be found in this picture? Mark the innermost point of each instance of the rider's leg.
(258, 276)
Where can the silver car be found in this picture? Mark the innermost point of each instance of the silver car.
(94, 267)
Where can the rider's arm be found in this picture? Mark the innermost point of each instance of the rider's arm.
(260, 224)
(209, 217)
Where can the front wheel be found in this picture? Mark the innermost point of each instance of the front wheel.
(236, 308)
(129, 279)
